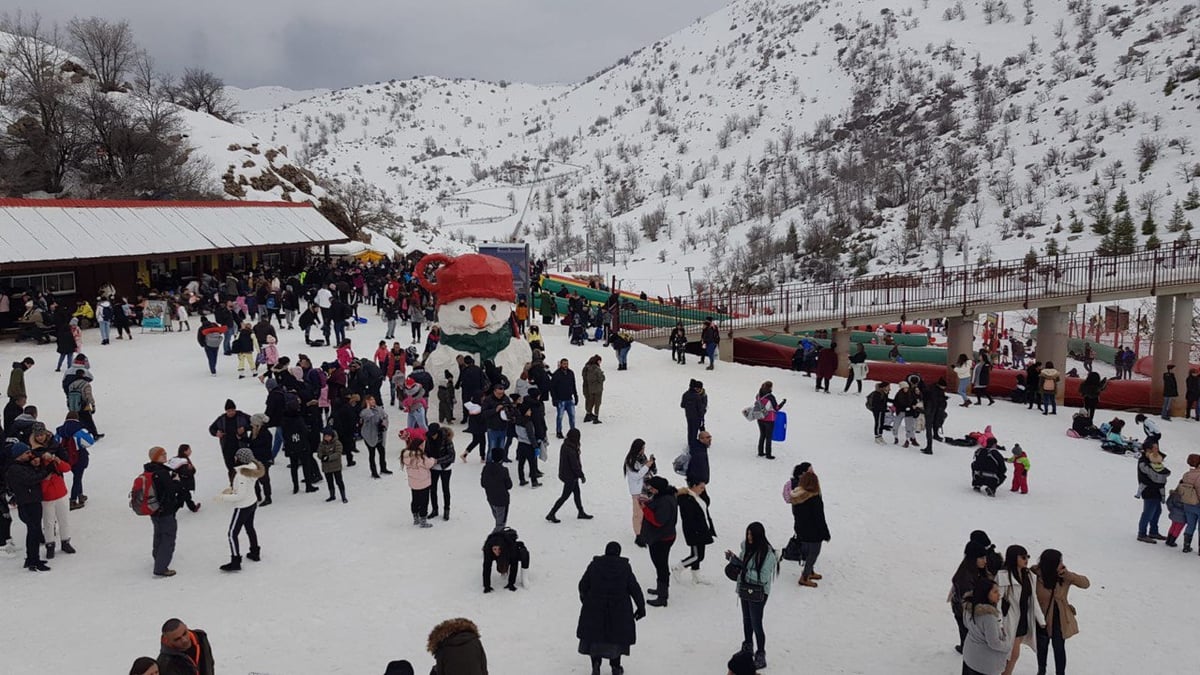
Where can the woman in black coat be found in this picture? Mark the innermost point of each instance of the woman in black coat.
(696, 522)
(606, 619)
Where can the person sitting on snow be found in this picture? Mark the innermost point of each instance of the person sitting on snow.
(988, 469)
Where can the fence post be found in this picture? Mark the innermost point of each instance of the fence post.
(1154, 276)
(1091, 276)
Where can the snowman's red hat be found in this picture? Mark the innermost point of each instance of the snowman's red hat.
(467, 276)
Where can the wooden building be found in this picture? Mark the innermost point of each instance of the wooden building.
(73, 247)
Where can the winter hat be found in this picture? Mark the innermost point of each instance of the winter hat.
(243, 456)
(74, 321)
(1017, 451)
(741, 663)
(903, 384)
(19, 449)
(230, 405)
(533, 392)
(328, 431)
(975, 551)
(37, 428)
(980, 537)
(696, 384)
(399, 668)
(613, 548)
(259, 419)
(467, 276)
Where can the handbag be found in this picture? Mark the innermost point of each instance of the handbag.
(1187, 494)
(751, 591)
(792, 550)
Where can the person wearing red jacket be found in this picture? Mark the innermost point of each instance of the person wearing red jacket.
(827, 363)
(55, 505)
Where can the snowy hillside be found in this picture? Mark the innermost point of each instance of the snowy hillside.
(266, 98)
(776, 139)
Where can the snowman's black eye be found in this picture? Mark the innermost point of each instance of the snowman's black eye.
(462, 308)
(493, 308)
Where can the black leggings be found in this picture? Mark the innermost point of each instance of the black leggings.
(765, 430)
(332, 477)
(242, 517)
(526, 455)
(444, 478)
(372, 450)
(478, 438)
(1051, 636)
(878, 416)
(851, 380)
(694, 558)
(570, 488)
(420, 503)
(983, 391)
(263, 487)
(823, 382)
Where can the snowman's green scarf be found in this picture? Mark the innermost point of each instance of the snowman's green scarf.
(485, 345)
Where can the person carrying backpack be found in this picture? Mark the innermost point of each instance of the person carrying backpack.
(76, 440)
(877, 403)
(158, 494)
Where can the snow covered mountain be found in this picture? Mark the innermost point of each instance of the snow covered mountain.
(778, 139)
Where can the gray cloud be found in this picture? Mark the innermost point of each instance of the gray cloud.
(323, 43)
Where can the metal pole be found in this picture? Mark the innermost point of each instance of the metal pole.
(689, 269)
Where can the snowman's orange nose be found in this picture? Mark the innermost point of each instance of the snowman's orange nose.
(479, 316)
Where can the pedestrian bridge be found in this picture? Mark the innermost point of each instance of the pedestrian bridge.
(948, 292)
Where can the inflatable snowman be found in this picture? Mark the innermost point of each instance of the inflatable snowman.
(475, 300)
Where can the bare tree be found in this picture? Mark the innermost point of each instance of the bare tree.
(145, 77)
(204, 92)
(108, 48)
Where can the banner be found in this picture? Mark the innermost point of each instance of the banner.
(155, 315)
(517, 257)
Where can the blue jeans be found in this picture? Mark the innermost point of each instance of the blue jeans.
(1193, 517)
(63, 357)
(211, 353)
(567, 407)
(495, 442)
(104, 326)
(1151, 510)
(228, 339)
(339, 330)
(277, 442)
(1049, 403)
(622, 356)
(710, 352)
(77, 482)
(962, 388)
(1166, 409)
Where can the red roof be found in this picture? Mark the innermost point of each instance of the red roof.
(130, 203)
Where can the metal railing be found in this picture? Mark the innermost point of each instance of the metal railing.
(952, 291)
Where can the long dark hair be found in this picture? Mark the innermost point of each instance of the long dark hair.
(979, 595)
(1011, 555)
(1048, 564)
(799, 470)
(635, 455)
(756, 550)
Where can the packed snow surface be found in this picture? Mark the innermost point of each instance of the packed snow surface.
(346, 588)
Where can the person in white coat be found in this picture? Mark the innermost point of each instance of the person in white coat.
(988, 643)
(1018, 602)
(241, 496)
(637, 467)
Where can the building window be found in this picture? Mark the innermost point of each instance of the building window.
(270, 260)
(184, 267)
(60, 283)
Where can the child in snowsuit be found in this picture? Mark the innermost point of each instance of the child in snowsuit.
(446, 399)
(415, 404)
(269, 355)
(182, 465)
(329, 451)
(1020, 463)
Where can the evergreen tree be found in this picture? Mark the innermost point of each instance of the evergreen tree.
(791, 244)
(1122, 203)
(1076, 226)
(1124, 235)
(1052, 246)
(1031, 258)
(1178, 220)
(1103, 224)
(1152, 242)
(1193, 199)
(1149, 227)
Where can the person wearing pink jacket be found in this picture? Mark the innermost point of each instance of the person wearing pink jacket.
(417, 467)
(345, 354)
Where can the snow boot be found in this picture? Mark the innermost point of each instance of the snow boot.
(446, 513)
(1171, 542)
(1187, 543)
(67, 547)
(807, 581)
(1146, 540)
(697, 579)
(234, 564)
(434, 513)
(589, 417)
(760, 660)
(425, 523)
(254, 554)
(50, 551)
(660, 598)
(416, 520)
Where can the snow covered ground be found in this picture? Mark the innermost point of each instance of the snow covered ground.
(346, 588)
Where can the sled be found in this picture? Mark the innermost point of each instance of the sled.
(779, 433)
(1073, 434)
(362, 319)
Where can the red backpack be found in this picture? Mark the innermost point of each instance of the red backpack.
(143, 499)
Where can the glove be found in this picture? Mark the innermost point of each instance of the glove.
(583, 479)
(487, 589)
(511, 587)
(640, 614)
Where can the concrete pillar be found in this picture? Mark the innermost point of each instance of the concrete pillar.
(960, 339)
(841, 343)
(725, 348)
(1052, 343)
(1164, 323)
(1181, 349)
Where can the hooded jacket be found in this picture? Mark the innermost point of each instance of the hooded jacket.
(241, 493)
(609, 592)
(456, 648)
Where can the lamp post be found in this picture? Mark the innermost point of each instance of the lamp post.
(688, 269)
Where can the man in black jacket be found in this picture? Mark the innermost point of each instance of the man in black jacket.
(24, 479)
(230, 429)
(933, 399)
(184, 651)
(471, 381)
(564, 394)
(496, 483)
(170, 495)
(695, 406)
(496, 409)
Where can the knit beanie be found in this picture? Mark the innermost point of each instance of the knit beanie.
(230, 405)
(243, 456)
(613, 548)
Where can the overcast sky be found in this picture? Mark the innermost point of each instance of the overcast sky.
(335, 43)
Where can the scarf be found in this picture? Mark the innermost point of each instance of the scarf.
(485, 345)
